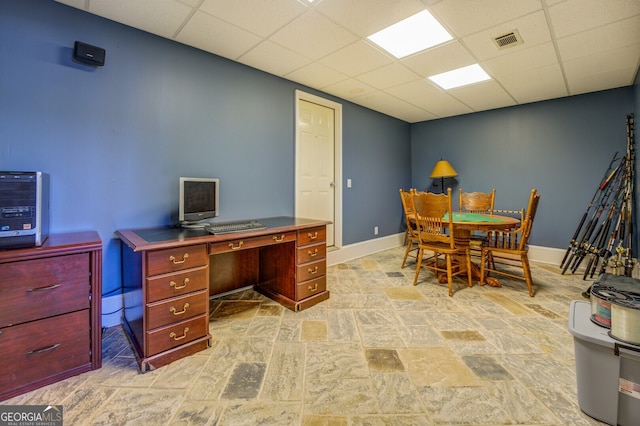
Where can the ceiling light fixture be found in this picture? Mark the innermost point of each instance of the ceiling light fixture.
(460, 77)
(413, 34)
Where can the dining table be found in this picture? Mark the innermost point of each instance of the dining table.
(465, 223)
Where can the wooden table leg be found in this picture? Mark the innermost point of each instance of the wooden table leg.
(462, 238)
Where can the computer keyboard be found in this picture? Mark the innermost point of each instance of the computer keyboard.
(226, 228)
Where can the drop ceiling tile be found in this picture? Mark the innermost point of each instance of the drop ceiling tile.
(273, 58)
(439, 59)
(466, 17)
(313, 35)
(483, 96)
(416, 88)
(364, 18)
(388, 76)
(190, 3)
(213, 35)
(405, 111)
(518, 61)
(601, 39)
(532, 85)
(316, 75)
(574, 16)
(440, 104)
(533, 30)
(162, 17)
(615, 68)
(349, 89)
(259, 17)
(357, 58)
(375, 99)
(78, 4)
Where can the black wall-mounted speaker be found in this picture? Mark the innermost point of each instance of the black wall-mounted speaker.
(87, 54)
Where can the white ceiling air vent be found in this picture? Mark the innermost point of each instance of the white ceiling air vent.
(508, 40)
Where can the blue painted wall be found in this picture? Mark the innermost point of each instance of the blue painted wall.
(116, 139)
(560, 147)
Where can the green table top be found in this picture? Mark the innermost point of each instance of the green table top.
(472, 217)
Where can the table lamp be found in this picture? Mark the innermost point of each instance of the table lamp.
(442, 170)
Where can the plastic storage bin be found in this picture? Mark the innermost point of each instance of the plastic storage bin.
(607, 370)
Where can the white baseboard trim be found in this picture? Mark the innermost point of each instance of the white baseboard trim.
(540, 254)
(364, 248)
(548, 255)
(111, 310)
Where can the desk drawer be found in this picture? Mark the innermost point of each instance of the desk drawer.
(252, 242)
(312, 235)
(172, 285)
(166, 338)
(44, 348)
(176, 259)
(176, 309)
(311, 253)
(39, 288)
(311, 270)
(311, 287)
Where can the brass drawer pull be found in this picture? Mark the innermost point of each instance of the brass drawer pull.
(312, 236)
(314, 288)
(49, 287)
(312, 253)
(278, 240)
(43, 350)
(178, 262)
(313, 271)
(177, 287)
(184, 334)
(183, 311)
(240, 244)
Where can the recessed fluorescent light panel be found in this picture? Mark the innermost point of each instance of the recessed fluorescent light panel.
(413, 34)
(460, 77)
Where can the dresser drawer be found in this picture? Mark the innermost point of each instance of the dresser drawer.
(176, 259)
(172, 336)
(177, 284)
(311, 270)
(311, 253)
(312, 235)
(176, 309)
(39, 288)
(44, 348)
(246, 243)
(311, 287)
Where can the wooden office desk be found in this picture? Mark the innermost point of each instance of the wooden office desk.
(169, 274)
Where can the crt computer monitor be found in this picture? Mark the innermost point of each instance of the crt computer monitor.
(199, 200)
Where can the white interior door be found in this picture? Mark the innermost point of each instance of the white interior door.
(316, 187)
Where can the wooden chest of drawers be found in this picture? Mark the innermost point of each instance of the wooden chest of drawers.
(175, 302)
(311, 266)
(50, 305)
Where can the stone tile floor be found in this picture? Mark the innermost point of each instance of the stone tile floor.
(378, 352)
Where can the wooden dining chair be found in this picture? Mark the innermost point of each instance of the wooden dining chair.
(436, 236)
(510, 248)
(476, 202)
(410, 236)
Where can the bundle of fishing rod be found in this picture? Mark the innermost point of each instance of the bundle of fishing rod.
(604, 237)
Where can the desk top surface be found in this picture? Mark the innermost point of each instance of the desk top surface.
(173, 236)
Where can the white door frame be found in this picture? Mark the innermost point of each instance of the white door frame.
(303, 96)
